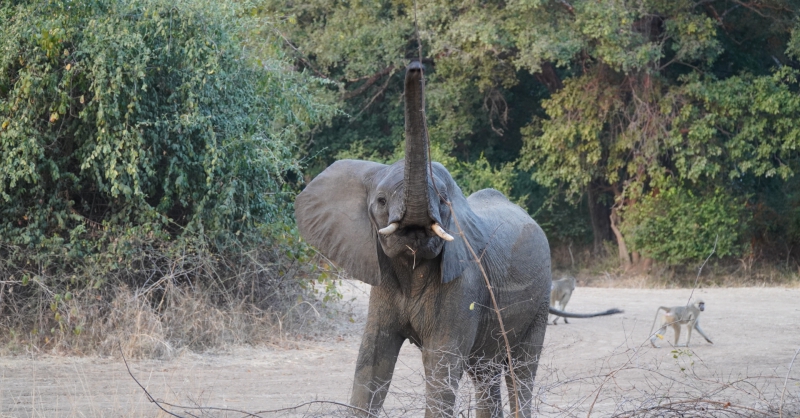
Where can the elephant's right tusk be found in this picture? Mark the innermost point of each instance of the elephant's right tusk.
(388, 230)
(441, 233)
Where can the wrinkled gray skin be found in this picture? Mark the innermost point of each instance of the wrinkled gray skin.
(425, 289)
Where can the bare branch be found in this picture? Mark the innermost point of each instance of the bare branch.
(367, 84)
(569, 7)
(300, 55)
(785, 381)
(146, 393)
(700, 270)
(378, 94)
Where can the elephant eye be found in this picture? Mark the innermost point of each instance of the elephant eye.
(382, 201)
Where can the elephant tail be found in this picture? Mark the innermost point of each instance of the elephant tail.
(557, 312)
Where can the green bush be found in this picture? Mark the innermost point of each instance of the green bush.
(678, 226)
(141, 117)
(147, 143)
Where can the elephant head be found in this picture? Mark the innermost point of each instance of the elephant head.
(372, 219)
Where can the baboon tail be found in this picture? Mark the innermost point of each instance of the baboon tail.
(557, 312)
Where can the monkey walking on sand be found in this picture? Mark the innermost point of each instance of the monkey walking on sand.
(677, 316)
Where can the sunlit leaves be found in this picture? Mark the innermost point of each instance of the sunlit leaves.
(569, 146)
(693, 39)
(740, 125)
(154, 116)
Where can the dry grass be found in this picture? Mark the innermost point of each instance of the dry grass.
(160, 304)
(605, 271)
(126, 319)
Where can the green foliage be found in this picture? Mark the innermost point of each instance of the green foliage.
(570, 146)
(631, 123)
(605, 99)
(143, 126)
(564, 222)
(793, 47)
(140, 125)
(365, 46)
(677, 226)
(740, 125)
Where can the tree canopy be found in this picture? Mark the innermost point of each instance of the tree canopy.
(642, 122)
(667, 127)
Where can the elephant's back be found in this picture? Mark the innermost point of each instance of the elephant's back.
(501, 215)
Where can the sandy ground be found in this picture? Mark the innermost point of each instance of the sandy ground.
(598, 367)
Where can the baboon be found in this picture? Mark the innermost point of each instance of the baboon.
(676, 316)
(561, 291)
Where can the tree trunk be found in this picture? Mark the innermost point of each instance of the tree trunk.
(548, 76)
(624, 258)
(599, 215)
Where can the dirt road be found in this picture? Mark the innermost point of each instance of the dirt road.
(602, 365)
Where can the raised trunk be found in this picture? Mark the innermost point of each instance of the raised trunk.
(417, 199)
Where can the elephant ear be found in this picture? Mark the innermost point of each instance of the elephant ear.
(456, 255)
(332, 215)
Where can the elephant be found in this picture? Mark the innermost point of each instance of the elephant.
(428, 252)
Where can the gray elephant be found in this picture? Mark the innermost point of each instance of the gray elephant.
(407, 230)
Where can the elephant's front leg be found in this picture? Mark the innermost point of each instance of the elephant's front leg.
(443, 370)
(376, 360)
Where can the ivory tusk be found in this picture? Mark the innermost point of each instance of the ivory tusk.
(441, 233)
(388, 230)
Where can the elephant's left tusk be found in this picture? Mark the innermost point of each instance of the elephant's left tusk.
(441, 233)
(389, 229)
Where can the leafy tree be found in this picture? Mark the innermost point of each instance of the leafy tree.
(610, 103)
(631, 124)
(142, 121)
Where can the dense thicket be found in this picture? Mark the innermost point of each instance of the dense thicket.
(667, 127)
(141, 139)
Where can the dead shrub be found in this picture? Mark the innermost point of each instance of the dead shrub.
(160, 301)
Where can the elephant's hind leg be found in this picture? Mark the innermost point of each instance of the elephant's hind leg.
(525, 362)
(487, 377)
